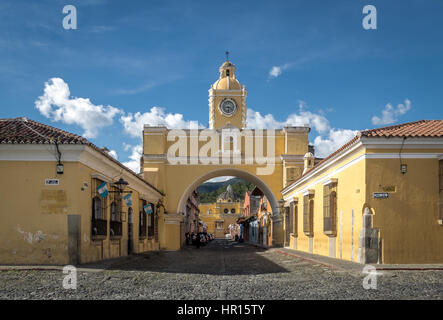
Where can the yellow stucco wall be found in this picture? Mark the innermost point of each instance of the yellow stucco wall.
(217, 214)
(350, 198)
(34, 228)
(31, 231)
(407, 221)
(408, 218)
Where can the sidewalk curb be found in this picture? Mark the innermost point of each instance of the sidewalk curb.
(378, 267)
(45, 268)
(309, 260)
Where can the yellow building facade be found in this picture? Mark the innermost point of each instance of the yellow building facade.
(223, 213)
(49, 215)
(378, 199)
(226, 148)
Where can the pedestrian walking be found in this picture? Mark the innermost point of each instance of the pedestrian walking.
(197, 241)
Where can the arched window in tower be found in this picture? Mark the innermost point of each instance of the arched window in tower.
(227, 73)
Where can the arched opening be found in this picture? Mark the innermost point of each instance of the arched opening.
(228, 219)
(234, 173)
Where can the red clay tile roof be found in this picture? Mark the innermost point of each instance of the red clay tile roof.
(26, 131)
(421, 128)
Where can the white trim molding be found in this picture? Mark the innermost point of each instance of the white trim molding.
(402, 155)
(330, 181)
(101, 177)
(83, 154)
(377, 143)
(352, 162)
(309, 192)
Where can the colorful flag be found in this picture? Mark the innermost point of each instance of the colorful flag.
(103, 190)
(148, 208)
(128, 200)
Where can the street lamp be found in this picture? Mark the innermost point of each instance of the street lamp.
(121, 185)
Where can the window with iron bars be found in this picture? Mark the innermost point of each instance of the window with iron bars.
(293, 218)
(308, 215)
(143, 221)
(99, 222)
(156, 229)
(115, 199)
(441, 188)
(330, 210)
(151, 224)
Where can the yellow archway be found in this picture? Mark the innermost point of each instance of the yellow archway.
(230, 172)
(178, 161)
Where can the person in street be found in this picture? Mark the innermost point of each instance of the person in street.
(197, 241)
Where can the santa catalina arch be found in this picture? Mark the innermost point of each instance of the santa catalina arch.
(178, 161)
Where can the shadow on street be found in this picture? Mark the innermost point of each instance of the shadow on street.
(219, 257)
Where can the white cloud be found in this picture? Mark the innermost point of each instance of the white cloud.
(391, 114)
(335, 139)
(126, 146)
(303, 118)
(133, 123)
(134, 158)
(113, 154)
(220, 179)
(276, 71)
(57, 105)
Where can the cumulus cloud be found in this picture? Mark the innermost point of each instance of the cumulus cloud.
(390, 114)
(113, 154)
(126, 146)
(328, 140)
(57, 104)
(319, 122)
(133, 123)
(334, 140)
(276, 71)
(134, 158)
(220, 179)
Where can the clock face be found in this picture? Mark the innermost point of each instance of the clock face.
(228, 107)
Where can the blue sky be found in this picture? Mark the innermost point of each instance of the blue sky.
(130, 56)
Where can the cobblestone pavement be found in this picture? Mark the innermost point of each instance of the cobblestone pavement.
(221, 270)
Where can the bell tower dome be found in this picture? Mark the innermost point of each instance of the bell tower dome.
(227, 99)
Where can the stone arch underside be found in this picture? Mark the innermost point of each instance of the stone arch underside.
(246, 175)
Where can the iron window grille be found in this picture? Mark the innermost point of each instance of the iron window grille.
(99, 223)
(308, 215)
(293, 216)
(330, 210)
(115, 213)
(151, 218)
(143, 220)
(441, 188)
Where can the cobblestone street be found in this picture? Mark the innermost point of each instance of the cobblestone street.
(220, 270)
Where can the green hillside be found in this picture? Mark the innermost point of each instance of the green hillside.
(209, 191)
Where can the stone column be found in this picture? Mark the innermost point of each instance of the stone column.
(368, 241)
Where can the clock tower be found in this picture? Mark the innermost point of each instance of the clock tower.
(227, 100)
